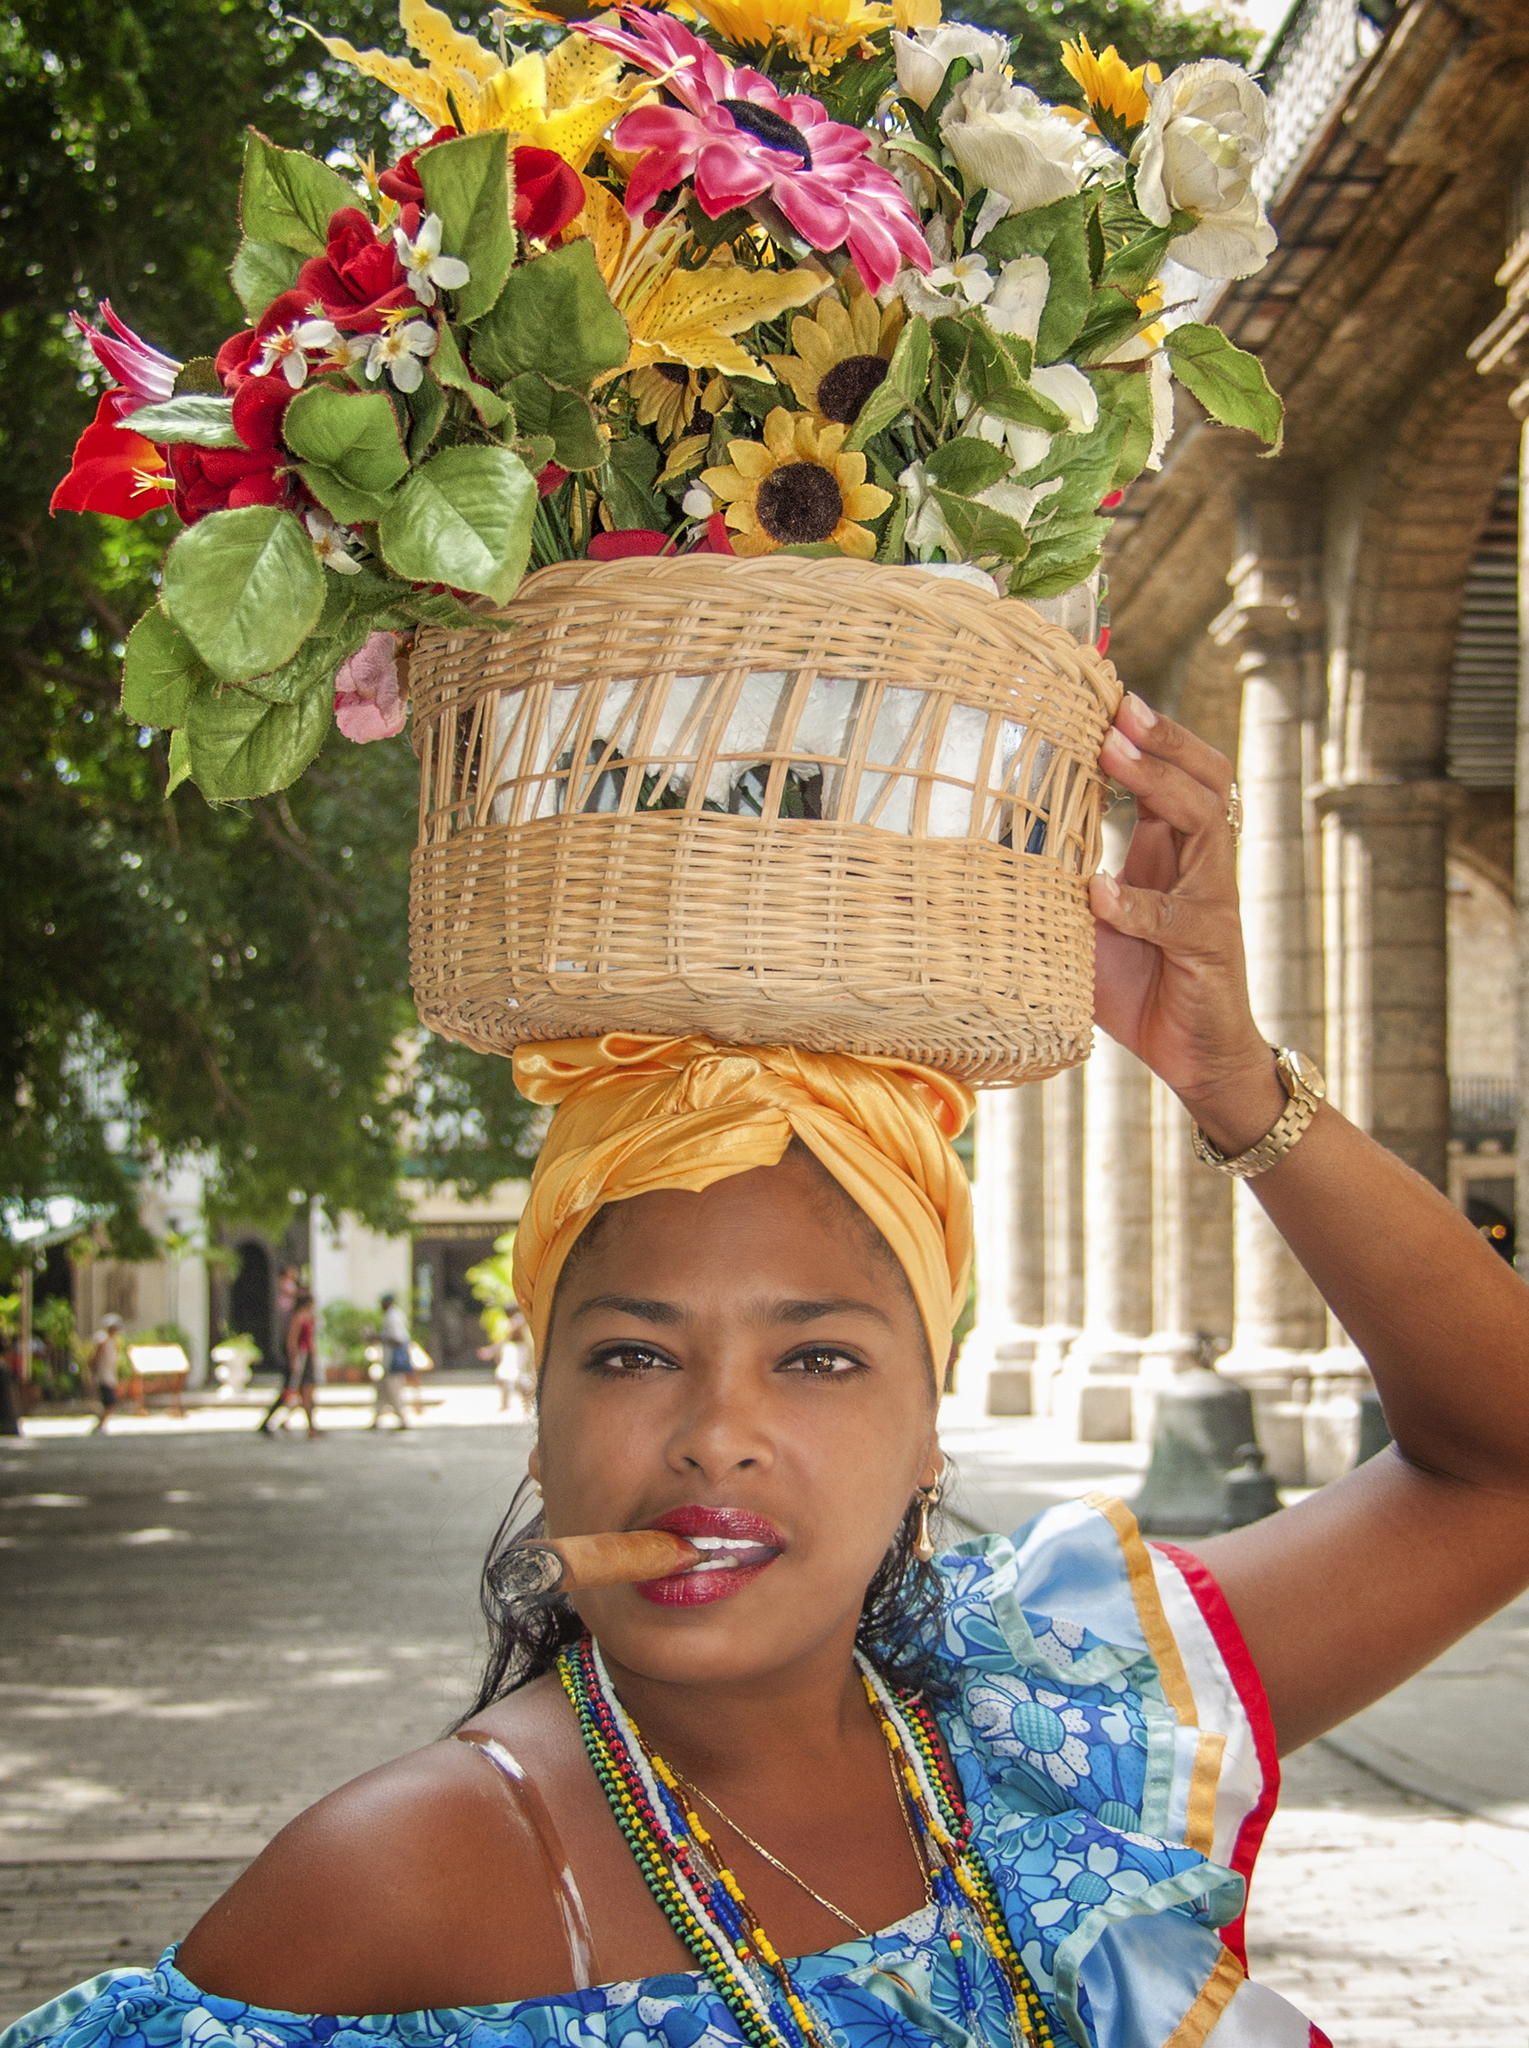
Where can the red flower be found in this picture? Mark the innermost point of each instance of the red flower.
(113, 469)
(356, 280)
(140, 374)
(642, 540)
(403, 181)
(550, 479)
(547, 193)
(223, 479)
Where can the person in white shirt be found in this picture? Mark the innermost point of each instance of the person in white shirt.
(105, 1357)
(396, 1364)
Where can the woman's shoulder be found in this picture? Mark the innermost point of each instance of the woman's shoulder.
(401, 1891)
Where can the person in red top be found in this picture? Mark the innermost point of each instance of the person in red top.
(301, 1377)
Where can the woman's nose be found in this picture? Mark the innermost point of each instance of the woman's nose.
(722, 1428)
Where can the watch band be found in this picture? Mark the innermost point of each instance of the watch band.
(1275, 1143)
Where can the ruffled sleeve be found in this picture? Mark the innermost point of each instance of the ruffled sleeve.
(1115, 1752)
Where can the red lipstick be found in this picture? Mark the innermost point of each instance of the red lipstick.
(735, 1547)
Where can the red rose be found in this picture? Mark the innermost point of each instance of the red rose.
(219, 479)
(547, 193)
(109, 468)
(223, 479)
(402, 182)
(357, 279)
(629, 540)
(550, 479)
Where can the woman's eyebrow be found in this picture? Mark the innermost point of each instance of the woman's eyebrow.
(648, 1310)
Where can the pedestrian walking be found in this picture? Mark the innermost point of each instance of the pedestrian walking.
(512, 1368)
(105, 1363)
(301, 1380)
(396, 1364)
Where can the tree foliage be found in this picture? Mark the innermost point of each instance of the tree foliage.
(242, 970)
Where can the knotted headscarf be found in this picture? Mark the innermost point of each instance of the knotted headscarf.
(637, 1113)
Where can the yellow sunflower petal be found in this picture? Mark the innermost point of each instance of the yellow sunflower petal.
(780, 434)
(811, 343)
(801, 377)
(726, 484)
(858, 541)
(866, 501)
(751, 459)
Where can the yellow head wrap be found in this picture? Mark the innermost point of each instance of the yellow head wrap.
(636, 1113)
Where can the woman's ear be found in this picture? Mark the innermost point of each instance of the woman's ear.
(534, 1463)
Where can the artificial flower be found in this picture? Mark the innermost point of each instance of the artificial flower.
(926, 534)
(923, 58)
(563, 101)
(628, 541)
(677, 316)
(548, 192)
(331, 543)
(141, 375)
(358, 278)
(795, 487)
(287, 348)
(369, 701)
(840, 353)
(969, 274)
(427, 270)
(1018, 297)
(667, 397)
(1196, 154)
(1116, 93)
(113, 469)
(1006, 139)
(402, 349)
(1068, 389)
(738, 142)
(224, 479)
(817, 32)
(402, 182)
(908, 15)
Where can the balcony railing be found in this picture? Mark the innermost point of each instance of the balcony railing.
(1304, 69)
(1483, 1106)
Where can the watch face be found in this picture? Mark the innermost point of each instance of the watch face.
(1306, 1073)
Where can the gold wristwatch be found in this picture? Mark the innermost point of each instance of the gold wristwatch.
(1303, 1083)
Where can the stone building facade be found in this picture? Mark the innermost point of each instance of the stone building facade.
(1346, 622)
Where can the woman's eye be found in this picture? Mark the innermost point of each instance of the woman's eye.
(824, 1365)
(624, 1361)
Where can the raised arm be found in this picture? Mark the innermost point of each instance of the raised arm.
(1347, 1594)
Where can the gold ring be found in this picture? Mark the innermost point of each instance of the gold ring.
(1234, 812)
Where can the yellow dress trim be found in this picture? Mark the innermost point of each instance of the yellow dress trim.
(1214, 1996)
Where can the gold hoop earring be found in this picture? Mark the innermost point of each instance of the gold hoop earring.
(928, 1497)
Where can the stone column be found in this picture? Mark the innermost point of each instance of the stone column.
(1271, 627)
(1191, 1258)
(1094, 1393)
(1009, 1192)
(1061, 1101)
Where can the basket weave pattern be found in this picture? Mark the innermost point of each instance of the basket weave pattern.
(841, 805)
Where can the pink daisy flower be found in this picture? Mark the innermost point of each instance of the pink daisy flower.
(739, 140)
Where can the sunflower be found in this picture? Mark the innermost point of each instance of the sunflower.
(795, 487)
(1115, 92)
(668, 396)
(840, 353)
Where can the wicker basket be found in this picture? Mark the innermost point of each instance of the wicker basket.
(812, 801)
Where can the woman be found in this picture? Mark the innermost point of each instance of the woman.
(105, 1362)
(741, 1337)
(302, 1368)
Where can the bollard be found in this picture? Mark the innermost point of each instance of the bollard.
(1248, 1492)
(1202, 1425)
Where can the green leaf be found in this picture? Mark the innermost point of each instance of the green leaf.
(198, 378)
(242, 745)
(627, 484)
(207, 422)
(428, 406)
(245, 588)
(979, 529)
(1228, 382)
(464, 518)
(1126, 395)
(1111, 323)
(1059, 233)
(341, 500)
(932, 161)
(467, 183)
(1056, 562)
(287, 197)
(554, 315)
(180, 763)
(902, 387)
(315, 661)
(449, 369)
(891, 548)
(160, 671)
(353, 435)
(1136, 265)
(966, 465)
(262, 271)
(564, 416)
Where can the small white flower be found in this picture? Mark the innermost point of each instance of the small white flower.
(289, 348)
(969, 274)
(426, 267)
(330, 542)
(698, 502)
(1196, 155)
(402, 350)
(924, 57)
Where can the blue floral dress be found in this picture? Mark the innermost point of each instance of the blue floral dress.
(1115, 1753)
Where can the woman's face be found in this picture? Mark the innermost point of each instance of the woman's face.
(745, 1348)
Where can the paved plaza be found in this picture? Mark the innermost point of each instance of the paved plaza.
(201, 1630)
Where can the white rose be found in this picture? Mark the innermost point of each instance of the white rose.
(1018, 299)
(924, 57)
(1196, 155)
(1068, 389)
(1005, 138)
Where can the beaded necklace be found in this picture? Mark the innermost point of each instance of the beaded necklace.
(706, 1906)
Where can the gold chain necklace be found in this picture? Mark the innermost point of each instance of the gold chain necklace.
(786, 1871)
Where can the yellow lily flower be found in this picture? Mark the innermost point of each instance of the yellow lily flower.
(683, 316)
(1110, 85)
(564, 100)
(819, 32)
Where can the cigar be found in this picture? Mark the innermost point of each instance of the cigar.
(544, 1567)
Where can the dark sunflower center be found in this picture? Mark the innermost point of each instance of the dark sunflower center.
(770, 128)
(675, 373)
(800, 501)
(845, 388)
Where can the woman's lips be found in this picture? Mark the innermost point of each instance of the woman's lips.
(735, 1548)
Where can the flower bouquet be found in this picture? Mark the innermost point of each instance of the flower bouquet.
(687, 399)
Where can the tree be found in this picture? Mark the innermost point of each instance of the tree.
(241, 972)
(1140, 30)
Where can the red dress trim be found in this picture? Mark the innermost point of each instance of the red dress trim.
(1238, 1659)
